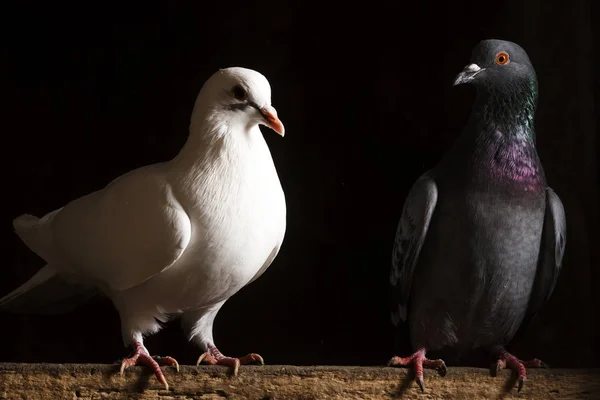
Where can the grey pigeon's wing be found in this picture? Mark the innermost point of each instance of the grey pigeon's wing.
(412, 229)
(552, 249)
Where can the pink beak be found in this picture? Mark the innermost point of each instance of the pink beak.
(270, 116)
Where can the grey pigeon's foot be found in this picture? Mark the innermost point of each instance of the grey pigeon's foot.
(507, 360)
(419, 361)
(142, 357)
(214, 357)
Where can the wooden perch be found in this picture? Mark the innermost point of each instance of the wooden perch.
(91, 381)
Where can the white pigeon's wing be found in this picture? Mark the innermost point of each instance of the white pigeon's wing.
(552, 250)
(124, 234)
(410, 235)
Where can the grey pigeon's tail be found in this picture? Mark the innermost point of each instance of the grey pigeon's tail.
(46, 293)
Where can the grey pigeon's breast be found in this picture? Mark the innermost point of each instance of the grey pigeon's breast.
(477, 267)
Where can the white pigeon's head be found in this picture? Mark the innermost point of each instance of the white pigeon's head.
(240, 96)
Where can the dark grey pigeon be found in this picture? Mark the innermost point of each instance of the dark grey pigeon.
(481, 239)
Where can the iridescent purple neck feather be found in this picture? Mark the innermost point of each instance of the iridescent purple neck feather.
(503, 134)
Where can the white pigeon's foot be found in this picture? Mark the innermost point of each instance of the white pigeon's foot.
(142, 357)
(419, 361)
(507, 360)
(214, 357)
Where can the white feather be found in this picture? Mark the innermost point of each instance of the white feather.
(181, 236)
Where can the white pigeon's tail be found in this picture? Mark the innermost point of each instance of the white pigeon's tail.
(31, 231)
(42, 276)
(46, 293)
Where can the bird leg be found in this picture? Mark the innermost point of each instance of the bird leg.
(507, 360)
(214, 357)
(419, 361)
(142, 357)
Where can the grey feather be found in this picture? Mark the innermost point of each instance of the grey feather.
(469, 274)
(552, 250)
(410, 235)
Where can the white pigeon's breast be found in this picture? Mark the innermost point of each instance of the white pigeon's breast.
(238, 219)
(229, 247)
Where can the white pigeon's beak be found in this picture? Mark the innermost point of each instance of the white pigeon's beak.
(468, 74)
(270, 116)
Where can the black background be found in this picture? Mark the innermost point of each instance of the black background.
(91, 91)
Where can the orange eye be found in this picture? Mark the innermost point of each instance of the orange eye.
(502, 58)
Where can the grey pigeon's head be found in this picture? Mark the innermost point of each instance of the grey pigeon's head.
(497, 64)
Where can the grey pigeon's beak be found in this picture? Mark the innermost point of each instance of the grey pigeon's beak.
(270, 116)
(468, 74)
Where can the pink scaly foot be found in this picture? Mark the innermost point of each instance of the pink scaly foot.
(419, 361)
(507, 360)
(142, 357)
(214, 357)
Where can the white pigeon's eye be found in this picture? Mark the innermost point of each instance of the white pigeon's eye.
(238, 93)
(502, 58)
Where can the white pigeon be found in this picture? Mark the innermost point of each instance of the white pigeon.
(173, 238)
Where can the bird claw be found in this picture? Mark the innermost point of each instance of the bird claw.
(419, 362)
(494, 370)
(170, 361)
(236, 366)
(521, 382)
(507, 360)
(141, 357)
(124, 366)
(201, 358)
(419, 381)
(442, 369)
(535, 363)
(232, 362)
(252, 358)
(496, 367)
(150, 362)
(393, 362)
